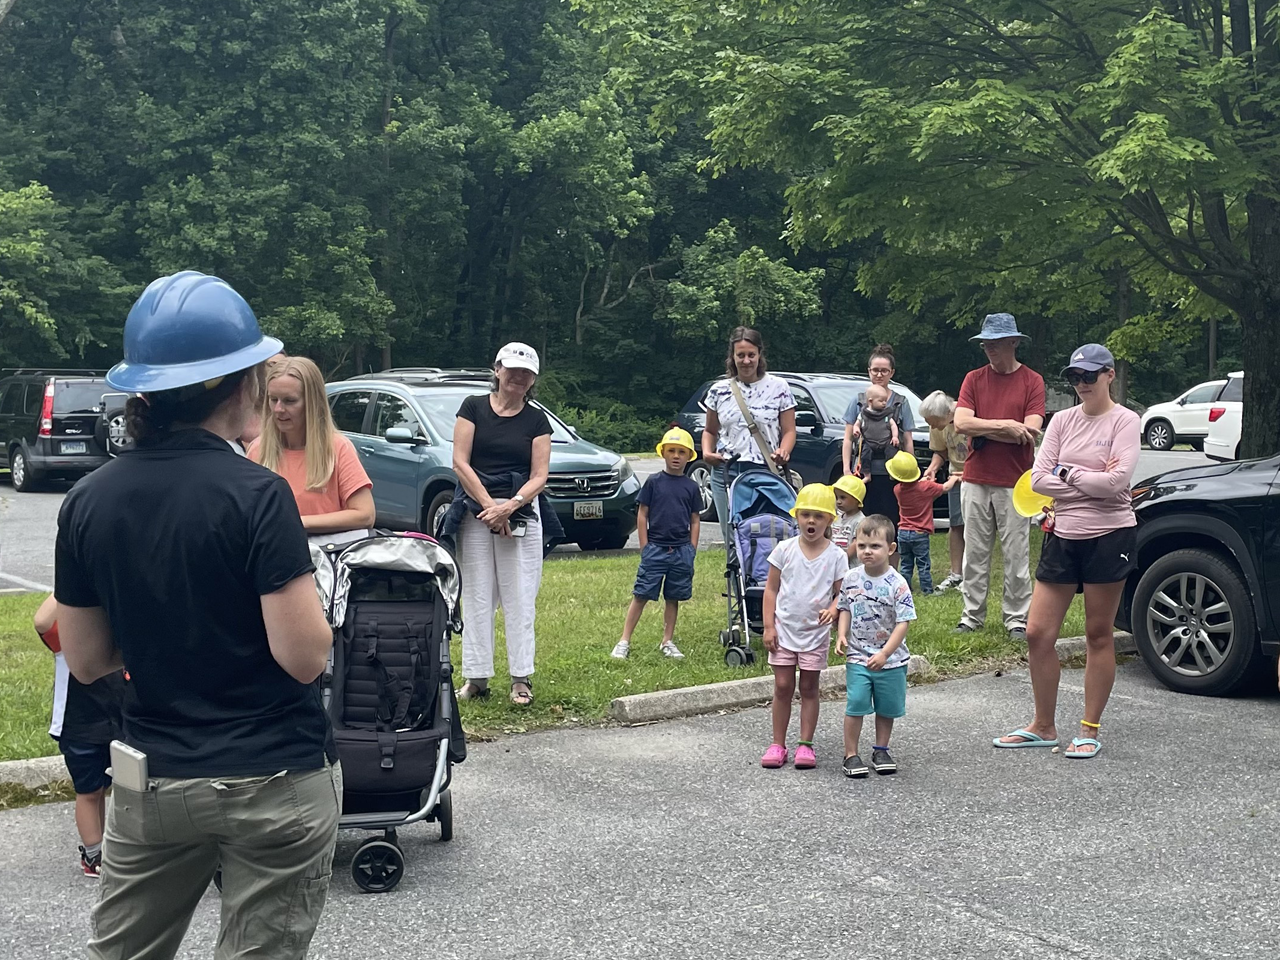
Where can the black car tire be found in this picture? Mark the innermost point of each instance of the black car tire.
(1155, 638)
(700, 473)
(1159, 435)
(437, 503)
(609, 541)
(22, 475)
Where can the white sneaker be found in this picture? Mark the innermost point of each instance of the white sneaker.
(669, 649)
(951, 582)
(621, 650)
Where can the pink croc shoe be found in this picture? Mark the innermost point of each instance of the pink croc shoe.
(805, 757)
(774, 757)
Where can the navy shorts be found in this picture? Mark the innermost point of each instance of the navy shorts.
(667, 568)
(87, 763)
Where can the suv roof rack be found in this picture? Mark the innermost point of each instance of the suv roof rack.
(50, 371)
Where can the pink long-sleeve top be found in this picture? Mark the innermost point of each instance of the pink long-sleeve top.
(1092, 500)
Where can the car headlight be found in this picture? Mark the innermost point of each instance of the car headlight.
(625, 470)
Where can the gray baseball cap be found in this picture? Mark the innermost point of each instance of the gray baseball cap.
(1092, 356)
(999, 326)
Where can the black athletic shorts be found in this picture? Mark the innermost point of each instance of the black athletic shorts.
(1105, 559)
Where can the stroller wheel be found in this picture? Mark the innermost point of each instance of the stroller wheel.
(725, 638)
(444, 816)
(750, 654)
(735, 657)
(377, 866)
(735, 637)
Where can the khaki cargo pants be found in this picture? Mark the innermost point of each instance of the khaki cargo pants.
(988, 513)
(273, 837)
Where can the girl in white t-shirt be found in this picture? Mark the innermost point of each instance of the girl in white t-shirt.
(800, 596)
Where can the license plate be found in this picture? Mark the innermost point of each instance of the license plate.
(589, 510)
(74, 446)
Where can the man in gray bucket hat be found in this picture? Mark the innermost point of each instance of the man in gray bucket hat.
(1000, 410)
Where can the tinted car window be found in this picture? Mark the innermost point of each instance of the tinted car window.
(391, 411)
(348, 410)
(11, 402)
(441, 409)
(1234, 390)
(835, 397)
(1204, 394)
(76, 396)
(804, 402)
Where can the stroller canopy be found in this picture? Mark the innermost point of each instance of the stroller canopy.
(410, 553)
(758, 492)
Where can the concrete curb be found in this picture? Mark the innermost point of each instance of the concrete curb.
(639, 708)
(737, 694)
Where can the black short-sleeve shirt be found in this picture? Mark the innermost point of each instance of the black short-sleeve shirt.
(503, 444)
(178, 541)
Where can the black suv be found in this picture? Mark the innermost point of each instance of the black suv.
(57, 423)
(821, 400)
(1204, 601)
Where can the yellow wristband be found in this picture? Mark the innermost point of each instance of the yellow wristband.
(1086, 723)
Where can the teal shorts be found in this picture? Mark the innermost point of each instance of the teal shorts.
(882, 692)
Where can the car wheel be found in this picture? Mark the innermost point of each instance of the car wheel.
(1194, 623)
(700, 473)
(1197, 445)
(435, 513)
(1159, 435)
(610, 541)
(24, 478)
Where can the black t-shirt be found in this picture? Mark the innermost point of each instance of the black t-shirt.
(672, 502)
(503, 444)
(91, 713)
(178, 541)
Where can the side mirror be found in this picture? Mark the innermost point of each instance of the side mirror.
(806, 419)
(1182, 401)
(399, 435)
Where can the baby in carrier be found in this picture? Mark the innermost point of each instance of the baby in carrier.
(878, 428)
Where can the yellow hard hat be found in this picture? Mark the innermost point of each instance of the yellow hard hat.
(902, 466)
(817, 497)
(676, 437)
(853, 486)
(1026, 501)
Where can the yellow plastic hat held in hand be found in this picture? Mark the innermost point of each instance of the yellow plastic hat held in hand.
(677, 437)
(817, 497)
(1026, 501)
(853, 486)
(902, 466)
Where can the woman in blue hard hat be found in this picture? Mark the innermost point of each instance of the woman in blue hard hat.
(188, 565)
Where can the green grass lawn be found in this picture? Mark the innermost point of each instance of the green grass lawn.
(580, 612)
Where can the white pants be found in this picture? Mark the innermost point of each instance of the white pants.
(498, 571)
(987, 511)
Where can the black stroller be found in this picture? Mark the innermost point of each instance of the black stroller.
(392, 601)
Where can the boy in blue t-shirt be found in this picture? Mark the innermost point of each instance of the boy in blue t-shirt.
(668, 518)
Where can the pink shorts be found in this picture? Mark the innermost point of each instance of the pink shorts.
(810, 660)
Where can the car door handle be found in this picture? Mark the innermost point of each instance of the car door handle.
(368, 450)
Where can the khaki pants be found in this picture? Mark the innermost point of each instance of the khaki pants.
(273, 836)
(987, 511)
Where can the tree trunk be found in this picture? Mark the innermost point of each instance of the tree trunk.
(1213, 347)
(359, 357)
(1259, 323)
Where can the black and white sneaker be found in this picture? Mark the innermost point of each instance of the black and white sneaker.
(854, 767)
(882, 763)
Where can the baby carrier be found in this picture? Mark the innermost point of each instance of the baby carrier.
(392, 602)
(759, 519)
(876, 442)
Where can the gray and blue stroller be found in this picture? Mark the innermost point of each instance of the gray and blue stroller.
(759, 519)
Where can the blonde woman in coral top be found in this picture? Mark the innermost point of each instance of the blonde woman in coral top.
(300, 442)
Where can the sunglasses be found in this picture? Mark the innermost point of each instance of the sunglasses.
(1083, 376)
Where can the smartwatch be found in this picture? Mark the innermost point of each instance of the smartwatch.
(518, 498)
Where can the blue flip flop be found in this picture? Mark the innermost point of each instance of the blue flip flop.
(1032, 740)
(1074, 754)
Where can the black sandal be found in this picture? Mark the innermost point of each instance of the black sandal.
(473, 691)
(520, 699)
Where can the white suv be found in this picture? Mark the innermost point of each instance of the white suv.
(1184, 419)
(1225, 414)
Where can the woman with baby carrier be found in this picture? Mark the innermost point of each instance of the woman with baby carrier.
(188, 565)
(878, 423)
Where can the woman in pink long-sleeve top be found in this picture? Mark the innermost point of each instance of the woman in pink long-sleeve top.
(1086, 464)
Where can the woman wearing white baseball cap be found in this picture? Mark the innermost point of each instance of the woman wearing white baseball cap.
(501, 454)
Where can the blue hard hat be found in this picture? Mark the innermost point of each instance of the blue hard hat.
(186, 329)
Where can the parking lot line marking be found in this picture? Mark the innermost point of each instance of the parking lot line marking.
(28, 584)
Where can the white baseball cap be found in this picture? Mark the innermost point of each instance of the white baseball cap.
(518, 356)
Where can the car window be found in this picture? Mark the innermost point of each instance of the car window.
(836, 395)
(1205, 393)
(1234, 390)
(348, 410)
(441, 410)
(77, 396)
(11, 402)
(391, 411)
(804, 402)
(35, 400)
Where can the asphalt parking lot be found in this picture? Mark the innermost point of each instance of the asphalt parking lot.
(669, 841)
(28, 521)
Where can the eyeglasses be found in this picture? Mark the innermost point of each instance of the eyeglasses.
(1082, 376)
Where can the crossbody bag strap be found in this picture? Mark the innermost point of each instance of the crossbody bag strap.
(754, 429)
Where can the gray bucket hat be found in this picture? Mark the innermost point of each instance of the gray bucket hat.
(998, 326)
